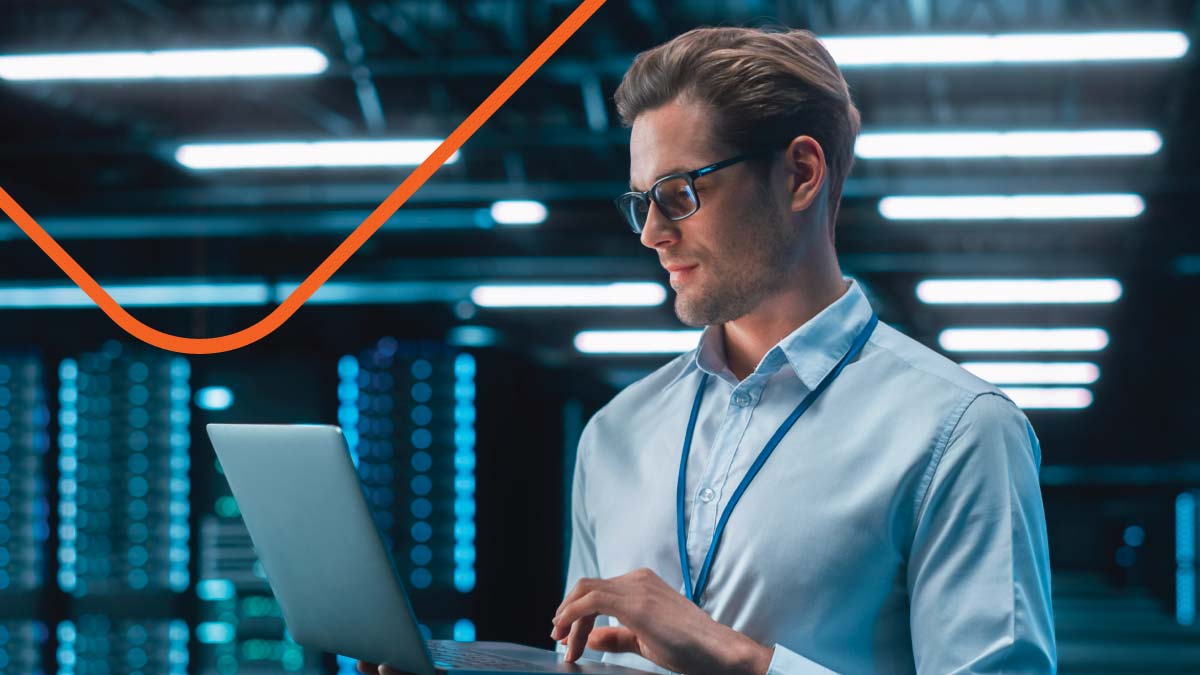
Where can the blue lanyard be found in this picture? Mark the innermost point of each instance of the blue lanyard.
(702, 581)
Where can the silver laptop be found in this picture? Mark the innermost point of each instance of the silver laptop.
(304, 507)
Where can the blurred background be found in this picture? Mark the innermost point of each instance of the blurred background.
(1022, 202)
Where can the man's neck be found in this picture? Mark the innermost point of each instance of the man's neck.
(750, 337)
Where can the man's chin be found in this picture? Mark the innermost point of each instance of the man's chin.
(687, 316)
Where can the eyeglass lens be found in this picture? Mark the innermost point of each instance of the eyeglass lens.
(675, 199)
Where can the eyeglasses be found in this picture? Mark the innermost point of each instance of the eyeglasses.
(674, 195)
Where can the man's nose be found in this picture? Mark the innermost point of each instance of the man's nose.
(658, 230)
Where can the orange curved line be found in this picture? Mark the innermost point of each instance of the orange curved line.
(269, 323)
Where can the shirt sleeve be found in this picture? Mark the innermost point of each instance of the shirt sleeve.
(582, 560)
(979, 570)
(787, 662)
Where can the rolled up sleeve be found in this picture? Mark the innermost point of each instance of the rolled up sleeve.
(787, 662)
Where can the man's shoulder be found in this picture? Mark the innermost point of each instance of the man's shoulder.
(965, 403)
(637, 395)
(926, 369)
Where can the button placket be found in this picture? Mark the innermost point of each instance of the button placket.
(704, 517)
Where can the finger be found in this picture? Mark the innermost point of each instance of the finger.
(595, 602)
(614, 639)
(368, 668)
(581, 588)
(578, 638)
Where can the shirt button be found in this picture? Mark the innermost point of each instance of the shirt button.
(707, 495)
(741, 399)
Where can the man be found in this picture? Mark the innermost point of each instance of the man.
(846, 500)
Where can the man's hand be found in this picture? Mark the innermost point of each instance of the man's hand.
(657, 623)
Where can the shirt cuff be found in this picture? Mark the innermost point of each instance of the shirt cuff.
(787, 662)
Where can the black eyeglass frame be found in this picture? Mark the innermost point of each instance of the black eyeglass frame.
(690, 176)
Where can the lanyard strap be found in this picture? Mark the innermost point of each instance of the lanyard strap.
(696, 594)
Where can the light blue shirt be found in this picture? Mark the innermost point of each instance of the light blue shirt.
(897, 528)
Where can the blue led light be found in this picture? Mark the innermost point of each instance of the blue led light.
(1134, 536)
(464, 579)
(138, 462)
(421, 485)
(180, 484)
(422, 415)
(68, 395)
(1125, 556)
(421, 461)
(421, 578)
(421, 392)
(215, 632)
(464, 508)
(383, 497)
(138, 579)
(464, 414)
(464, 479)
(421, 554)
(214, 398)
(421, 369)
(421, 438)
(387, 346)
(464, 630)
(1185, 558)
(348, 398)
(347, 367)
(421, 508)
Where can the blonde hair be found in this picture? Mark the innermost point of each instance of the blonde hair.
(764, 86)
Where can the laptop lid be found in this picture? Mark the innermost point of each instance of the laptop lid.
(302, 502)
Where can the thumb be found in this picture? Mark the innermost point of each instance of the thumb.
(614, 639)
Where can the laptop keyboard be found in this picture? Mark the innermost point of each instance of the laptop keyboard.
(448, 654)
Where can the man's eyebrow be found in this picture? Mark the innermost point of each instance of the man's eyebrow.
(668, 172)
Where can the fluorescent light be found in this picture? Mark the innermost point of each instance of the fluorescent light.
(636, 341)
(379, 292)
(169, 64)
(518, 212)
(214, 398)
(907, 50)
(638, 294)
(1023, 339)
(1049, 398)
(136, 295)
(1018, 372)
(307, 154)
(1010, 207)
(1018, 291)
(924, 145)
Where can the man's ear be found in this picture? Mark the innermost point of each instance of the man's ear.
(804, 165)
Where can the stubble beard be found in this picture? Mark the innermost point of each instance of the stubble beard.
(753, 267)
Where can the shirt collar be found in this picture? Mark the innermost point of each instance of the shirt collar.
(812, 350)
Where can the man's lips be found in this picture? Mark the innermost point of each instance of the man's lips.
(680, 272)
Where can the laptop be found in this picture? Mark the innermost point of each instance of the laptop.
(303, 505)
